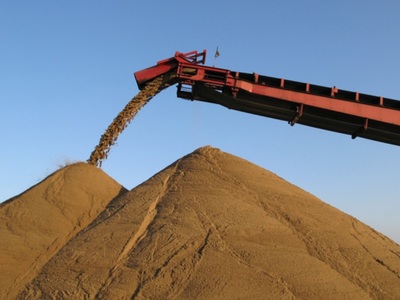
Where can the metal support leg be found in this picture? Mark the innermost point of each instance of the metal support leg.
(360, 130)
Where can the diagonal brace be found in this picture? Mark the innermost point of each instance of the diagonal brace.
(299, 113)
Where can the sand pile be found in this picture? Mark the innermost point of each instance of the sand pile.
(38, 223)
(214, 226)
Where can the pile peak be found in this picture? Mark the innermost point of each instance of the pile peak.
(207, 150)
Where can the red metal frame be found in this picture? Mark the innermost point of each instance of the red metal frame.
(169, 64)
(330, 108)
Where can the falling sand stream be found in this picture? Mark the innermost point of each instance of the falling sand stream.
(110, 136)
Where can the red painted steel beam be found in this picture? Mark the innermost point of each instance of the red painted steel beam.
(223, 78)
(378, 113)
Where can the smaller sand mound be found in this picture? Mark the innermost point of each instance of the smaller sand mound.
(37, 223)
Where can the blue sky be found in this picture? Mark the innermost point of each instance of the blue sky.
(67, 70)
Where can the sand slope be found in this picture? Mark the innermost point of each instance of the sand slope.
(39, 222)
(214, 226)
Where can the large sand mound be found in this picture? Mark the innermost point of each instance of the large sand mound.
(38, 223)
(214, 226)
